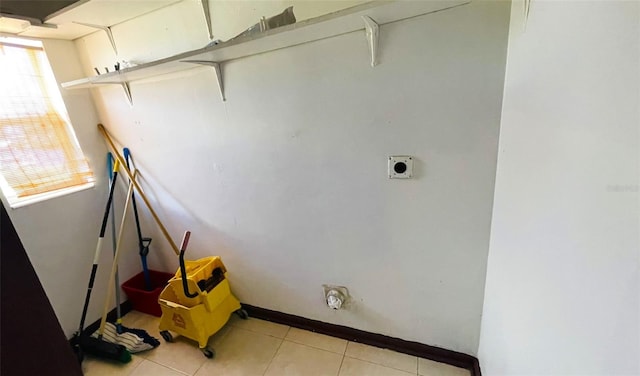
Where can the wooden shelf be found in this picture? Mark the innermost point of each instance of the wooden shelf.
(333, 24)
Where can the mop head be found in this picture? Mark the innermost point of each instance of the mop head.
(134, 340)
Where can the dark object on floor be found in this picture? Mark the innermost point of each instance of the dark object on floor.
(33, 341)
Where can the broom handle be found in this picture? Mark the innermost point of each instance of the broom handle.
(123, 165)
(114, 267)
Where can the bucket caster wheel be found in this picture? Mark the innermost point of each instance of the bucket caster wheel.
(208, 352)
(242, 314)
(166, 335)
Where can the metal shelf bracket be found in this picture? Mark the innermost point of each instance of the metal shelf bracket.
(127, 92)
(372, 33)
(106, 29)
(216, 67)
(125, 86)
(207, 17)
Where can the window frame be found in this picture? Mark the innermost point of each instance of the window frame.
(52, 87)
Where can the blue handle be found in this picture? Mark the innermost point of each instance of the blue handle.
(110, 165)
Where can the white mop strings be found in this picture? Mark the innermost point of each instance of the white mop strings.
(133, 342)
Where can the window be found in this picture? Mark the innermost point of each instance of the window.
(40, 157)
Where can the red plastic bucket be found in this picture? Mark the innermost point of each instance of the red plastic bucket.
(143, 300)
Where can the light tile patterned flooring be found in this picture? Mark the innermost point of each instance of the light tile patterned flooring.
(261, 348)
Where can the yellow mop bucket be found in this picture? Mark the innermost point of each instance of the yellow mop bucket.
(197, 301)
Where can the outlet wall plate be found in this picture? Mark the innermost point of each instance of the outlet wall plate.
(400, 167)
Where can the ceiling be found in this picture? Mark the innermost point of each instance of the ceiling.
(69, 19)
(33, 9)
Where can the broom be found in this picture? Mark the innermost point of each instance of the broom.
(80, 342)
(135, 340)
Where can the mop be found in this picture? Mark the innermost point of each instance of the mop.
(134, 340)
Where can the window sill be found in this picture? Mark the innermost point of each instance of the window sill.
(15, 203)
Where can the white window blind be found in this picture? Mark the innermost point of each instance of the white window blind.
(39, 152)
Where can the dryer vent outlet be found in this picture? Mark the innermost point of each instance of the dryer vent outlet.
(400, 167)
(335, 296)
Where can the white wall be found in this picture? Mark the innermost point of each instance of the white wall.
(563, 288)
(287, 179)
(60, 234)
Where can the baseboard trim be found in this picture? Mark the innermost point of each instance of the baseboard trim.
(437, 354)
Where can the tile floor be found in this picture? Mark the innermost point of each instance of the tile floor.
(255, 347)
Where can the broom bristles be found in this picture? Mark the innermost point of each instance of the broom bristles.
(103, 349)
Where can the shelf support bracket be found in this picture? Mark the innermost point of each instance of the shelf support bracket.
(207, 17)
(216, 67)
(125, 86)
(106, 29)
(372, 32)
(127, 92)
